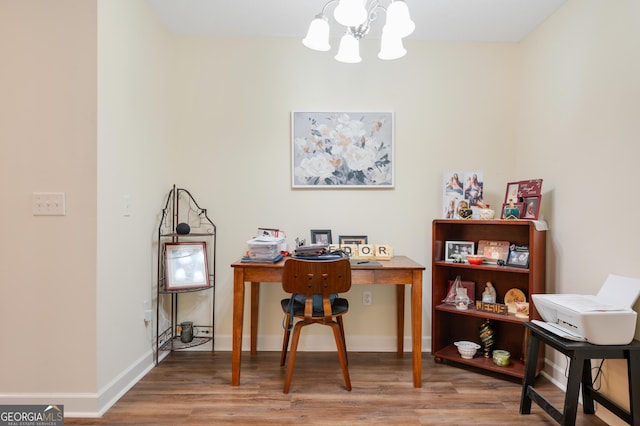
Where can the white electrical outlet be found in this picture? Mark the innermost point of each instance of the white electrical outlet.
(126, 205)
(367, 298)
(148, 312)
(48, 204)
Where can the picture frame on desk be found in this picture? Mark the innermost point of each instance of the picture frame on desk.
(352, 239)
(321, 236)
(186, 265)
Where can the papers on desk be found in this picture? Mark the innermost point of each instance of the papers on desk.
(265, 248)
(249, 259)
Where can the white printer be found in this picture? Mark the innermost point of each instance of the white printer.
(603, 319)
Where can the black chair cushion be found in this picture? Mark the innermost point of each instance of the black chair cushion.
(340, 306)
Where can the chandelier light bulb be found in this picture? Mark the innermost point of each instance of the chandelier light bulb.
(350, 13)
(349, 50)
(318, 34)
(391, 46)
(398, 18)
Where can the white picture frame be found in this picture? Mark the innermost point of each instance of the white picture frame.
(186, 266)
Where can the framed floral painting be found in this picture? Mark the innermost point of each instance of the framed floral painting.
(342, 150)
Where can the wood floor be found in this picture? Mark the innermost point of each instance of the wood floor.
(189, 388)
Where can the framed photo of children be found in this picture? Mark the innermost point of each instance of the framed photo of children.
(525, 196)
(457, 250)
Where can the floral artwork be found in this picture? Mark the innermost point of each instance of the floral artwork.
(342, 149)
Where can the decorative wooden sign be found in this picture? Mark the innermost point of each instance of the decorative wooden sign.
(495, 308)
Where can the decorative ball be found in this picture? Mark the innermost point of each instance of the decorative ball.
(183, 228)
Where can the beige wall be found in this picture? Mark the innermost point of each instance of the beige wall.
(135, 134)
(579, 130)
(89, 80)
(454, 109)
(48, 263)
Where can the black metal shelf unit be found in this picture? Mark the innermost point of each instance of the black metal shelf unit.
(182, 208)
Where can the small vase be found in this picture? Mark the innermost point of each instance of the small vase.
(486, 337)
(462, 301)
(487, 213)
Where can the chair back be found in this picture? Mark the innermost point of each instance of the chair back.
(311, 277)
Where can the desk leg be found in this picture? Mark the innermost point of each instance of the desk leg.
(633, 372)
(416, 327)
(529, 374)
(238, 313)
(255, 303)
(400, 318)
(576, 367)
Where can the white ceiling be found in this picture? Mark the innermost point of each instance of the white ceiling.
(442, 20)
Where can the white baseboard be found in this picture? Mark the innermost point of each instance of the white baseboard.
(113, 391)
(87, 405)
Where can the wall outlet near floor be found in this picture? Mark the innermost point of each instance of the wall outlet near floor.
(367, 298)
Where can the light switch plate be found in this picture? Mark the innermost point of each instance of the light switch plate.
(48, 204)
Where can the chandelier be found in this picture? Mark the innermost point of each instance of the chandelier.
(357, 16)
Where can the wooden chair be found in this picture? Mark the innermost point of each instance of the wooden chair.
(311, 277)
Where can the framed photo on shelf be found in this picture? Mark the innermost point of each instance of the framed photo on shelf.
(321, 236)
(456, 250)
(353, 239)
(493, 251)
(531, 208)
(518, 256)
(525, 193)
(186, 265)
(511, 211)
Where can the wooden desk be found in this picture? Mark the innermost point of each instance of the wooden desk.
(580, 355)
(399, 271)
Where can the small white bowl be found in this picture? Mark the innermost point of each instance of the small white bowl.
(467, 349)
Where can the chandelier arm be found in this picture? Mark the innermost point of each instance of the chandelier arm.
(324, 8)
(375, 4)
